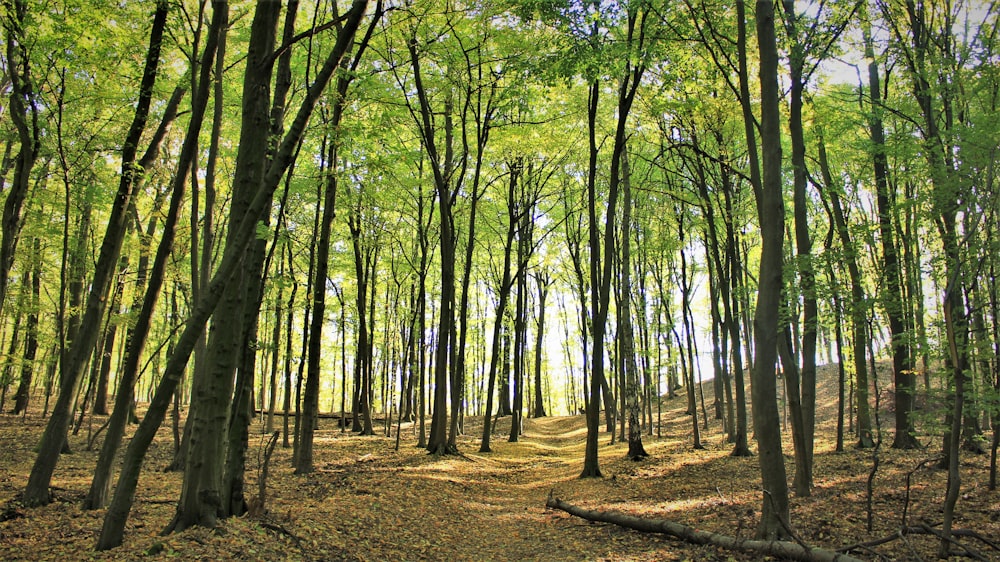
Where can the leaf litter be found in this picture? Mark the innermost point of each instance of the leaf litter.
(366, 501)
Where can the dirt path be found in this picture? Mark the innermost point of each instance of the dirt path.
(365, 501)
(409, 506)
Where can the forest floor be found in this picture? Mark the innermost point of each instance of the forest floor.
(368, 501)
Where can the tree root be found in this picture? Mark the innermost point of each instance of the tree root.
(780, 549)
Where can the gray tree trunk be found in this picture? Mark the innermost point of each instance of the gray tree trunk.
(771, 216)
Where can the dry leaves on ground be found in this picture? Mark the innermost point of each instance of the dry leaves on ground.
(367, 501)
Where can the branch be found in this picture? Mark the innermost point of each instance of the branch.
(779, 549)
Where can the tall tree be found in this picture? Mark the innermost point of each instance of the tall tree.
(442, 159)
(626, 334)
(929, 48)
(899, 323)
(24, 106)
(503, 298)
(37, 490)
(771, 216)
(203, 494)
(543, 280)
(601, 257)
(101, 482)
(304, 458)
(114, 522)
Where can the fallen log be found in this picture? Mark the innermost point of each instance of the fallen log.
(780, 549)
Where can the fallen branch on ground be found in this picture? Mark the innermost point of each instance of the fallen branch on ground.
(780, 549)
(925, 529)
(278, 528)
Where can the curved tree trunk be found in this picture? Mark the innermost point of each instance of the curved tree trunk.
(37, 490)
(25, 118)
(113, 528)
(100, 485)
(202, 494)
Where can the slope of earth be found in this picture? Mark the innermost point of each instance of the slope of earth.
(368, 501)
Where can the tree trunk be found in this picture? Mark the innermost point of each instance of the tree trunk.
(203, 493)
(771, 215)
(25, 118)
(601, 267)
(543, 280)
(503, 297)
(31, 335)
(636, 451)
(441, 166)
(902, 364)
(525, 233)
(37, 490)
(859, 306)
(806, 374)
(304, 456)
(117, 514)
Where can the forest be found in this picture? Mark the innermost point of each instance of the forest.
(255, 238)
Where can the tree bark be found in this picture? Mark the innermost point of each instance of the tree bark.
(600, 267)
(899, 328)
(304, 456)
(771, 215)
(806, 373)
(543, 280)
(859, 303)
(636, 451)
(30, 336)
(100, 484)
(441, 167)
(203, 494)
(503, 297)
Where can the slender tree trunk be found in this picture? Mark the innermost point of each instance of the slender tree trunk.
(806, 374)
(859, 306)
(37, 490)
(503, 297)
(902, 364)
(543, 280)
(304, 456)
(601, 267)
(636, 451)
(23, 393)
(770, 208)
(275, 352)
